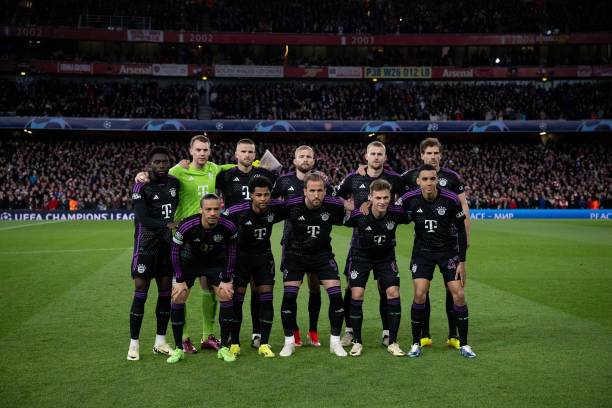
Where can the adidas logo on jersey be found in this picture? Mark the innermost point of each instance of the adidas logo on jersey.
(248, 223)
(291, 189)
(362, 186)
(419, 210)
(236, 179)
(302, 218)
(368, 228)
(156, 197)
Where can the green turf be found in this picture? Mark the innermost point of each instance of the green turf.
(540, 313)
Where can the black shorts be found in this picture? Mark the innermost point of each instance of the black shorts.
(260, 268)
(385, 271)
(294, 266)
(211, 269)
(423, 264)
(151, 266)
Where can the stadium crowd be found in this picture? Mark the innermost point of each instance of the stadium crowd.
(71, 174)
(326, 16)
(301, 100)
(131, 99)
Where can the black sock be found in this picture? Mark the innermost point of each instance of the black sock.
(136, 313)
(177, 315)
(162, 312)
(336, 309)
(394, 317)
(289, 309)
(255, 311)
(462, 323)
(226, 319)
(383, 310)
(425, 330)
(417, 314)
(357, 318)
(347, 308)
(266, 316)
(238, 301)
(314, 308)
(450, 315)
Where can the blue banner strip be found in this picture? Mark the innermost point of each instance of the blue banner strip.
(189, 125)
(474, 214)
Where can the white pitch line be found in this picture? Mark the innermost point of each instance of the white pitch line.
(34, 224)
(56, 251)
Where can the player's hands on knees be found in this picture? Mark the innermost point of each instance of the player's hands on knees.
(460, 273)
(365, 207)
(184, 164)
(226, 290)
(362, 169)
(172, 225)
(142, 177)
(179, 292)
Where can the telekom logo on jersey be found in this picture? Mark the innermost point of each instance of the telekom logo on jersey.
(431, 225)
(313, 230)
(166, 210)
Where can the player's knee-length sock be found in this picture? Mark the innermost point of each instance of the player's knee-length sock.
(382, 309)
(255, 305)
(209, 311)
(314, 308)
(427, 313)
(266, 316)
(136, 313)
(336, 309)
(450, 315)
(417, 314)
(357, 318)
(177, 315)
(347, 308)
(462, 323)
(394, 317)
(289, 310)
(238, 302)
(226, 319)
(162, 312)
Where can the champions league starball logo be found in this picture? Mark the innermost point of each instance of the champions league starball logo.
(388, 126)
(493, 126)
(48, 123)
(276, 126)
(595, 126)
(164, 125)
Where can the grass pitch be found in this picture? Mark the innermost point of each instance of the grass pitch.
(540, 309)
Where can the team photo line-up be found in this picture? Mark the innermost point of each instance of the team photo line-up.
(185, 231)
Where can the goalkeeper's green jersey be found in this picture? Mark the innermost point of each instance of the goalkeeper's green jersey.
(195, 184)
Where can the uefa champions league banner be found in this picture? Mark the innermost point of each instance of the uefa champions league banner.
(540, 214)
(25, 215)
(283, 126)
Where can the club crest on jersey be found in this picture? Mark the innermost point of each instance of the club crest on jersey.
(442, 182)
(390, 225)
(173, 192)
(354, 274)
(441, 210)
(325, 216)
(136, 196)
(141, 268)
(270, 217)
(217, 238)
(414, 268)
